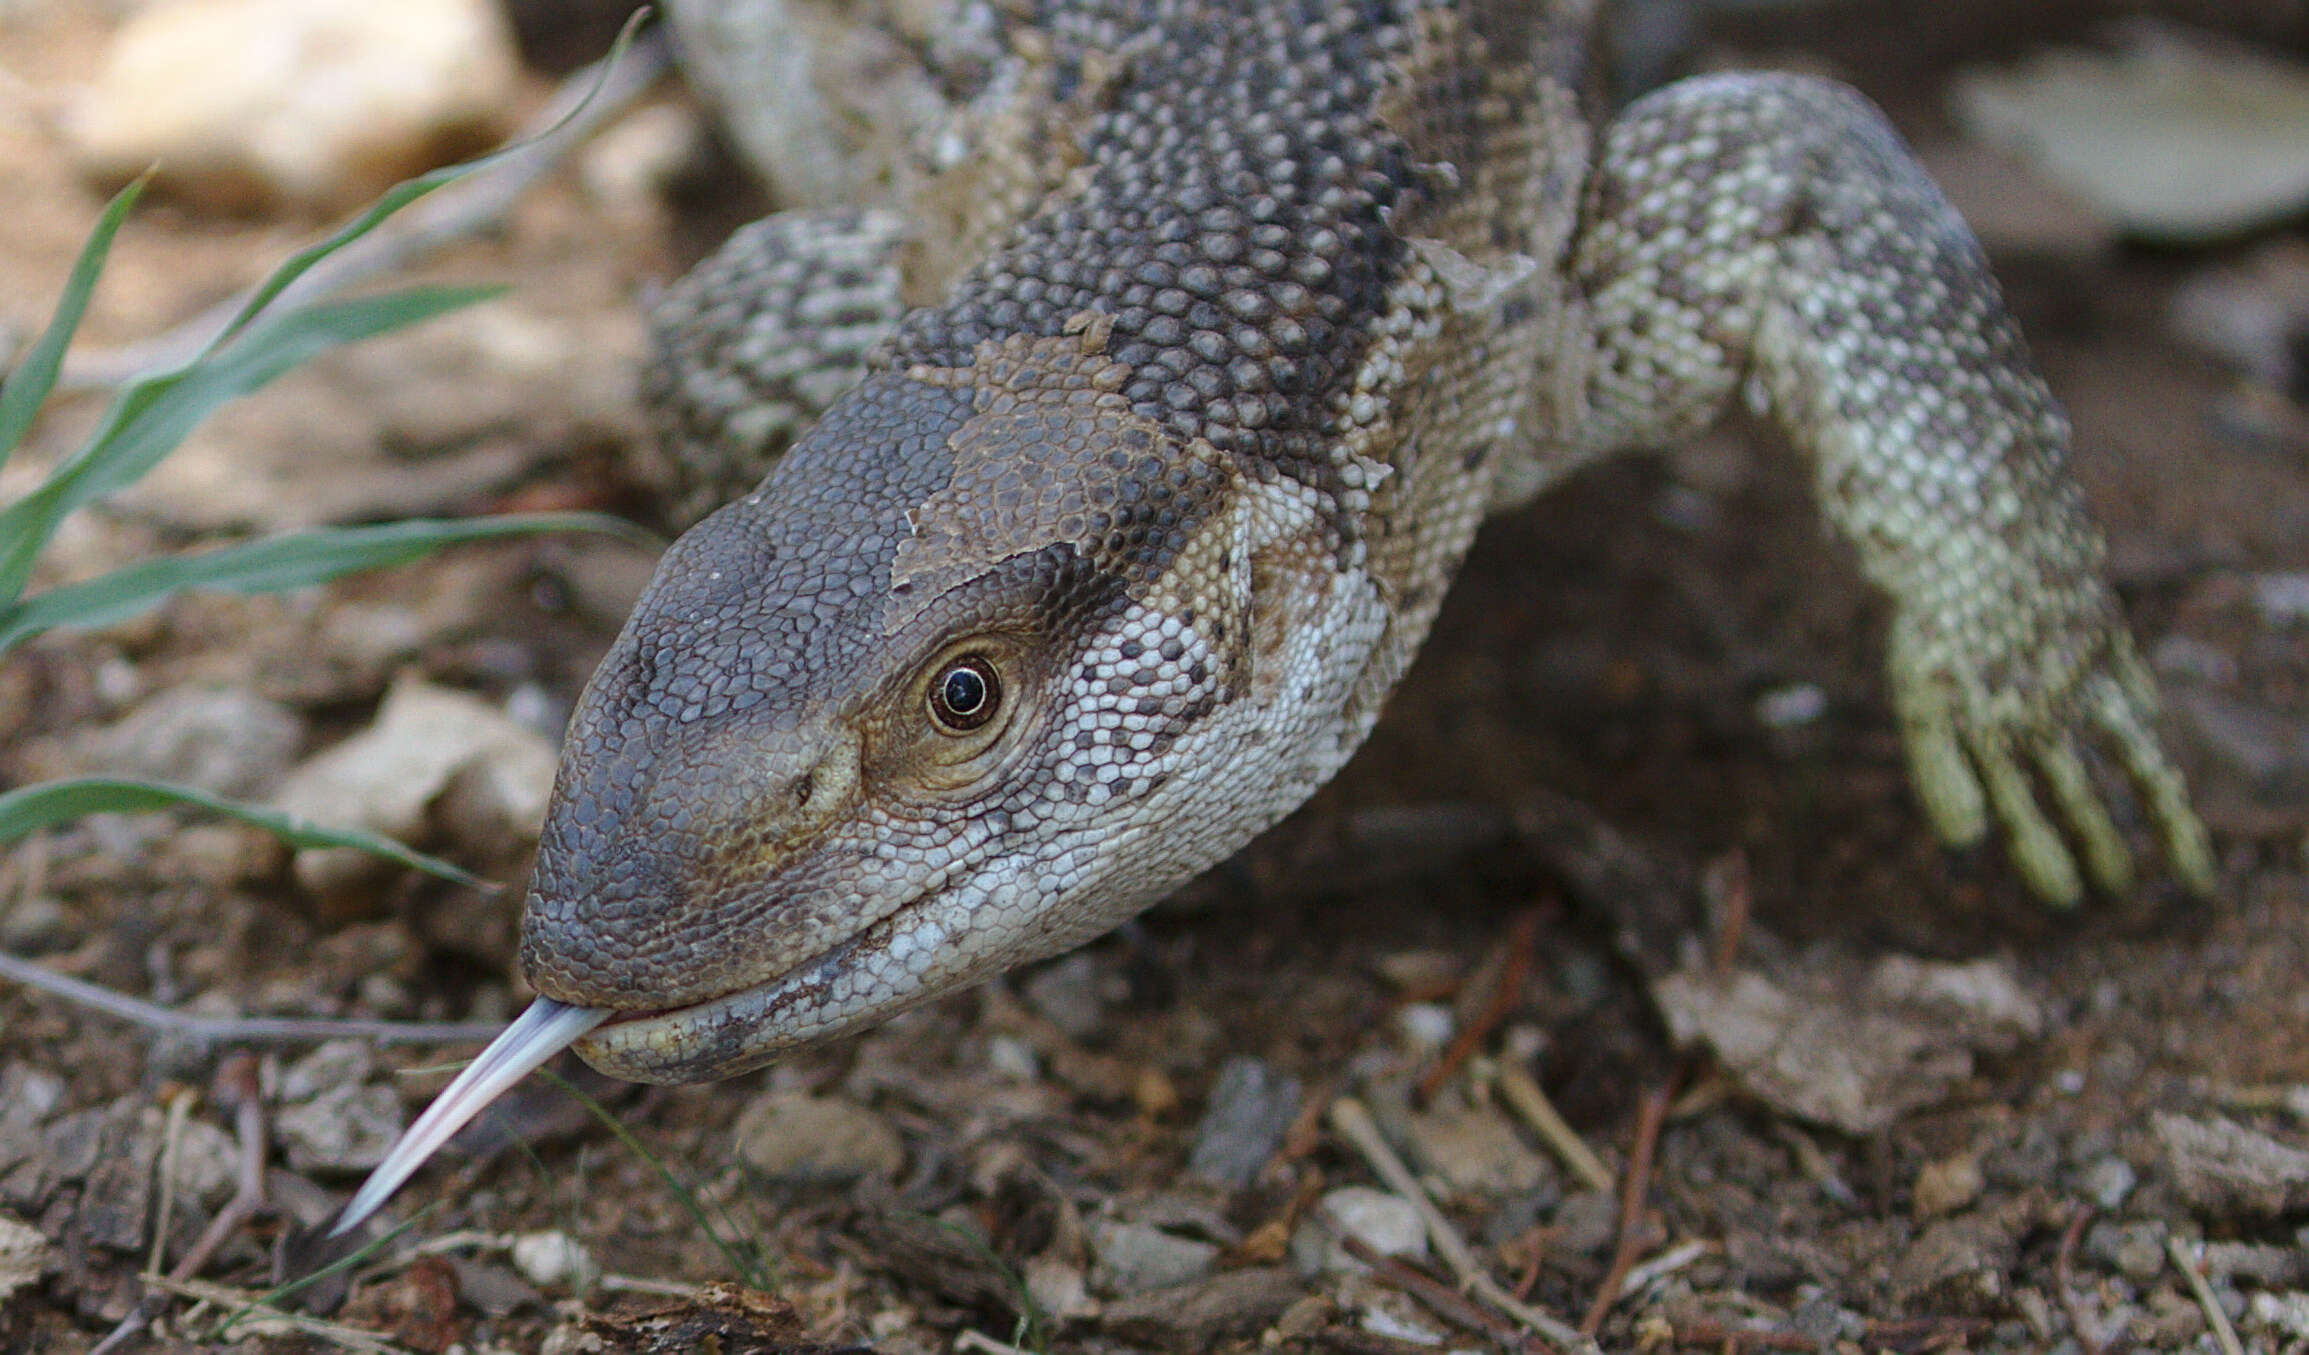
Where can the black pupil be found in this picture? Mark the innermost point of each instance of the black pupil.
(963, 692)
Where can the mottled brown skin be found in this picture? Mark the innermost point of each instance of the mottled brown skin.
(1267, 305)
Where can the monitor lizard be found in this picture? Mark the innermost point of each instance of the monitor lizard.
(1105, 556)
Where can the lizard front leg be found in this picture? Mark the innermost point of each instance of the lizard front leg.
(1772, 234)
(750, 347)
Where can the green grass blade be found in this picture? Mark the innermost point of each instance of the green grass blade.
(298, 264)
(27, 387)
(154, 415)
(273, 1296)
(296, 560)
(31, 808)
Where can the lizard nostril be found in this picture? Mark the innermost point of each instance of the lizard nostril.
(804, 786)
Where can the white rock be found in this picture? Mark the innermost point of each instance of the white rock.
(1059, 1289)
(25, 1254)
(1389, 1313)
(388, 777)
(2246, 316)
(1474, 1149)
(1387, 1224)
(553, 1260)
(628, 168)
(221, 739)
(344, 1129)
(1792, 706)
(793, 1136)
(2174, 137)
(1012, 1059)
(1136, 1257)
(2282, 599)
(334, 1064)
(2282, 1314)
(314, 103)
(1424, 1026)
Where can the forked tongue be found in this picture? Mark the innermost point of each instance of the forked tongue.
(547, 1028)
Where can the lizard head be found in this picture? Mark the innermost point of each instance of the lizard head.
(971, 678)
(908, 715)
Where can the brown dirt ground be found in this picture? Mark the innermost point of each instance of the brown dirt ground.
(1611, 643)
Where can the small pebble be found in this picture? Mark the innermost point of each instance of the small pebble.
(1791, 707)
(553, 1260)
(207, 1162)
(1069, 994)
(1012, 1059)
(35, 926)
(1251, 1106)
(2283, 599)
(2135, 1250)
(343, 1129)
(2110, 1181)
(1947, 1185)
(2286, 1313)
(332, 1065)
(1474, 1149)
(1586, 1223)
(1425, 1026)
(1136, 1257)
(819, 1140)
(25, 1255)
(1388, 1224)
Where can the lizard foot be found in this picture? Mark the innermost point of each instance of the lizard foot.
(1978, 748)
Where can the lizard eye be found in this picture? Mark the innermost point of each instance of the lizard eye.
(965, 695)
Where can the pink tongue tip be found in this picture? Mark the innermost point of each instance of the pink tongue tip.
(541, 1032)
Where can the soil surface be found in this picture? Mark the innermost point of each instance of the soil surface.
(1649, 727)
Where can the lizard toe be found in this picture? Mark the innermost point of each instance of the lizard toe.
(1945, 780)
(2038, 852)
(2162, 790)
(2108, 862)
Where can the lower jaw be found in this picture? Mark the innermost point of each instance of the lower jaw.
(701, 1043)
(732, 1034)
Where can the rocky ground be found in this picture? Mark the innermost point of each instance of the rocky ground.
(1632, 843)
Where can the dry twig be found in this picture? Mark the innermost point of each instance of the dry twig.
(1446, 1302)
(1354, 1123)
(268, 1321)
(1525, 1097)
(237, 1030)
(1633, 1187)
(1733, 1340)
(236, 1089)
(1815, 1164)
(1504, 995)
(2215, 1317)
(1724, 884)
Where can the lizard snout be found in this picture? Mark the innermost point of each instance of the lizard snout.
(645, 876)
